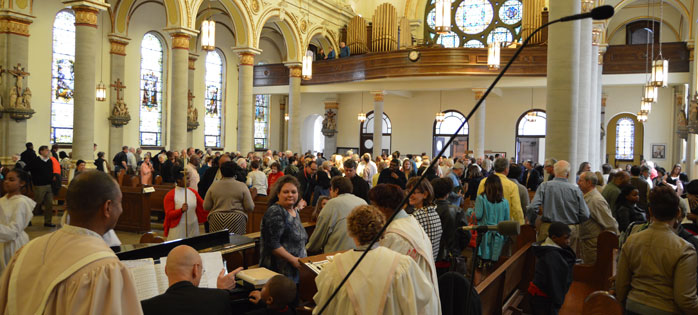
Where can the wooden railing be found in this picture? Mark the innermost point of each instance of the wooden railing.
(460, 61)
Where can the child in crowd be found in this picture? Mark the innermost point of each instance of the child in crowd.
(627, 211)
(553, 272)
(15, 214)
(491, 208)
(276, 297)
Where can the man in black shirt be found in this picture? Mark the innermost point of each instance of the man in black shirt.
(392, 175)
(120, 161)
(360, 185)
(307, 182)
(29, 154)
(41, 169)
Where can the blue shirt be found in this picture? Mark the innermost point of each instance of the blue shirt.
(561, 201)
(344, 52)
(330, 55)
(453, 197)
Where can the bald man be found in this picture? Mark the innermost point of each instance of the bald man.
(72, 270)
(184, 270)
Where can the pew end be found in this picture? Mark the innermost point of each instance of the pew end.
(601, 303)
(151, 237)
(598, 275)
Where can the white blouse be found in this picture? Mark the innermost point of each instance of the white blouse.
(15, 215)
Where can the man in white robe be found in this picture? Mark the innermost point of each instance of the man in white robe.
(72, 270)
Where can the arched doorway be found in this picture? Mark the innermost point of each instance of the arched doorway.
(445, 129)
(313, 139)
(366, 134)
(530, 136)
(624, 140)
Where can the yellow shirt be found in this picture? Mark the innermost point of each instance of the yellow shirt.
(511, 194)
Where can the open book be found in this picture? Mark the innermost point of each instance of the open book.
(151, 280)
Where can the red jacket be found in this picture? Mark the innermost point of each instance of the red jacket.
(172, 215)
(272, 179)
(56, 166)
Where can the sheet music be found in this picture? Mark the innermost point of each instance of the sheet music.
(212, 265)
(318, 265)
(143, 273)
(160, 276)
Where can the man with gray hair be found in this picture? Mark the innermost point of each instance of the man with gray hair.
(510, 189)
(548, 166)
(600, 218)
(562, 201)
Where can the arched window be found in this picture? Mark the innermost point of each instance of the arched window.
(476, 23)
(443, 131)
(366, 135)
(642, 32)
(213, 121)
(530, 136)
(152, 58)
(63, 78)
(261, 122)
(625, 139)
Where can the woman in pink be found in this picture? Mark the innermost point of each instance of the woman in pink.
(274, 175)
(146, 171)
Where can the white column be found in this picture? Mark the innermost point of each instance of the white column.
(294, 107)
(87, 42)
(563, 84)
(584, 100)
(594, 112)
(245, 127)
(476, 131)
(180, 85)
(378, 123)
(191, 89)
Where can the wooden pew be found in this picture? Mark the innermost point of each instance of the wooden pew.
(505, 288)
(157, 198)
(590, 278)
(601, 303)
(136, 210)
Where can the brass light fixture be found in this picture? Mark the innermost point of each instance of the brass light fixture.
(440, 116)
(362, 116)
(642, 116)
(531, 116)
(101, 92)
(650, 93)
(660, 66)
(443, 17)
(208, 32)
(493, 55)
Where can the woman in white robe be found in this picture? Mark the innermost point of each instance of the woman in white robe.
(15, 215)
(385, 282)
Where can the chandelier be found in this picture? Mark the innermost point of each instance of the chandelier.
(208, 35)
(307, 72)
(101, 92)
(493, 55)
(443, 17)
(646, 106)
(650, 93)
(440, 116)
(660, 66)
(642, 116)
(362, 117)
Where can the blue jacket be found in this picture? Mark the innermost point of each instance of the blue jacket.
(344, 52)
(331, 55)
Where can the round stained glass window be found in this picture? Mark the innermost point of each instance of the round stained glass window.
(431, 18)
(510, 12)
(474, 43)
(473, 16)
(500, 34)
(449, 40)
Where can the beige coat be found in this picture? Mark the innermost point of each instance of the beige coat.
(600, 219)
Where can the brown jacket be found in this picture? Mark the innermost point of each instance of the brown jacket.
(657, 269)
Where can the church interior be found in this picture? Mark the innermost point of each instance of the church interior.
(312, 76)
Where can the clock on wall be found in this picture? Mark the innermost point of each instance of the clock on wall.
(414, 55)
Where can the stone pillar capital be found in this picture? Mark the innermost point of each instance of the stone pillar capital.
(331, 104)
(118, 44)
(587, 5)
(246, 55)
(192, 61)
(97, 5)
(378, 96)
(14, 23)
(295, 71)
(478, 93)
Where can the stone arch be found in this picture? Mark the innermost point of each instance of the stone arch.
(239, 14)
(222, 24)
(289, 29)
(326, 39)
(175, 11)
(638, 139)
(621, 27)
(678, 5)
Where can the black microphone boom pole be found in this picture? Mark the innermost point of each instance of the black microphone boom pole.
(598, 13)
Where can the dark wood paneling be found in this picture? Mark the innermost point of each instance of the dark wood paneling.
(621, 59)
(624, 59)
(136, 210)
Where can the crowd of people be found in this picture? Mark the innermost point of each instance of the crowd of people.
(351, 197)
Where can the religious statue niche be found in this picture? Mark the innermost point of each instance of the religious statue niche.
(119, 113)
(19, 105)
(329, 124)
(192, 113)
(65, 80)
(149, 99)
(693, 116)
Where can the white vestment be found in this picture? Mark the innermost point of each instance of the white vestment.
(385, 283)
(69, 271)
(178, 232)
(110, 237)
(15, 215)
(406, 236)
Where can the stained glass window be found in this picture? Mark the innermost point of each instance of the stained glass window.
(151, 90)
(477, 23)
(532, 124)
(213, 99)
(261, 122)
(625, 139)
(63, 78)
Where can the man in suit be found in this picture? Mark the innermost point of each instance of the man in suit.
(531, 178)
(29, 154)
(184, 270)
(305, 177)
